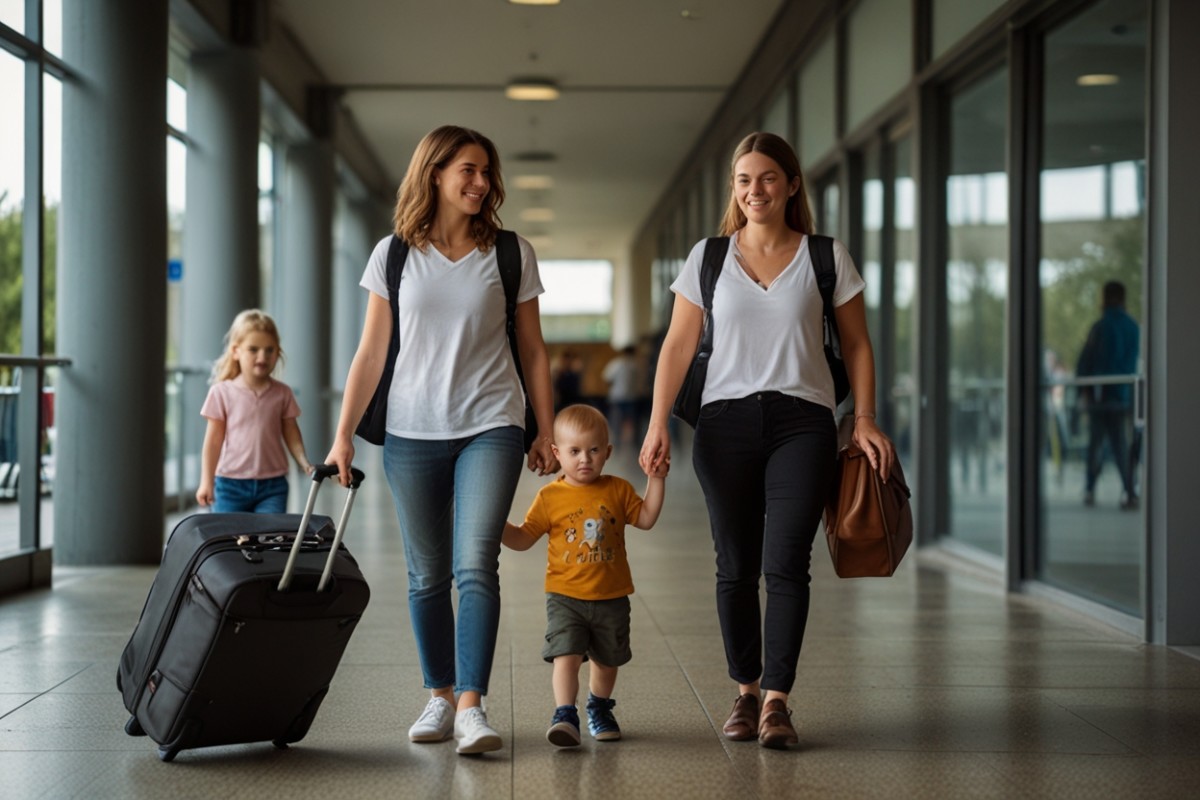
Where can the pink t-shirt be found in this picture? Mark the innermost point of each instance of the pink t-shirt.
(253, 446)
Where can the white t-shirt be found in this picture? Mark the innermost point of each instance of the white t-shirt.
(454, 375)
(768, 340)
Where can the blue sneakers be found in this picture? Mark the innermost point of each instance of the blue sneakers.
(601, 722)
(564, 727)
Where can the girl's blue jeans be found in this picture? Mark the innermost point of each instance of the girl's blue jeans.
(453, 498)
(258, 496)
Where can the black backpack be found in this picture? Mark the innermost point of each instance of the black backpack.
(373, 426)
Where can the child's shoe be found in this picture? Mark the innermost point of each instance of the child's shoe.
(601, 722)
(564, 727)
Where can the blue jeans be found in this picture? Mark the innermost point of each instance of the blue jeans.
(453, 498)
(258, 496)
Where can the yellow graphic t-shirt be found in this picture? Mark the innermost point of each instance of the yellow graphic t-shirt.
(586, 558)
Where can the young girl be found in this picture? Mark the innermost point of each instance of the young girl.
(243, 466)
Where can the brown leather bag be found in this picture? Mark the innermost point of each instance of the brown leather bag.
(868, 523)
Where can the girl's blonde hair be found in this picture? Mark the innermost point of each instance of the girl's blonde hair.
(249, 321)
(417, 197)
(797, 215)
(581, 418)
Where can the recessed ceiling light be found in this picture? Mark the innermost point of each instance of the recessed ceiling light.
(533, 181)
(531, 89)
(537, 215)
(1098, 79)
(534, 2)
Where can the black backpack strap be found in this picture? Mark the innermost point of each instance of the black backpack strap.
(373, 425)
(820, 250)
(397, 255)
(508, 259)
(715, 250)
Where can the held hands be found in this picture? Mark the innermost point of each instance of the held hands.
(655, 457)
(541, 457)
(878, 447)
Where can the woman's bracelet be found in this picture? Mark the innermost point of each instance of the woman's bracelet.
(867, 414)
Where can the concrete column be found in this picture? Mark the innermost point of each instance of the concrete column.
(112, 286)
(304, 274)
(356, 237)
(220, 239)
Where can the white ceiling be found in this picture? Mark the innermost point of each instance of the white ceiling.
(640, 81)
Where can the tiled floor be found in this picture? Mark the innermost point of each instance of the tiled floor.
(929, 684)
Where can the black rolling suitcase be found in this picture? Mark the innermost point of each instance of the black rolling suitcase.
(243, 629)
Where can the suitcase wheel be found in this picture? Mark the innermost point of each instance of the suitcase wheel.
(167, 754)
(280, 744)
(133, 727)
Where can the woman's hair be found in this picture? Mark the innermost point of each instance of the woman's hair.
(581, 418)
(249, 321)
(417, 197)
(798, 216)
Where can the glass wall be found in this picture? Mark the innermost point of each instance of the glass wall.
(1093, 237)
(974, 318)
(953, 19)
(818, 111)
(870, 264)
(901, 400)
(879, 58)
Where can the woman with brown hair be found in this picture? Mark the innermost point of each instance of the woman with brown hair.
(455, 415)
(765, 442)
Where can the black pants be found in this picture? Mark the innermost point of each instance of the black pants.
(1108, 424)
(765, 463)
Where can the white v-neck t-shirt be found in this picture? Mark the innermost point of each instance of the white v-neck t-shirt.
(454, 375)
(769, 339)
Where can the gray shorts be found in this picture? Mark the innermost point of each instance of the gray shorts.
(596, 629)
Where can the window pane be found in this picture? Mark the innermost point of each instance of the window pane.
(12, 194)
(577, 301)
(1093, 232)
(953, 19)
(776, 119)
(872, 245)
(52, 26)
(879, 57)
(976, 293)
(176, 106)
(12, 14)
(818, 128)
(903, 297)
(52, 190)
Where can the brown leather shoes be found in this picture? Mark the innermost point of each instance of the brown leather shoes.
(743, 720)
(775, 728)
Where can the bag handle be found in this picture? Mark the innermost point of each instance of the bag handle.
(320, 473)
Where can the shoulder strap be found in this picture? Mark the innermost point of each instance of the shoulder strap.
(396, 257)
(508, 258)
(820, 250)
(715, 250)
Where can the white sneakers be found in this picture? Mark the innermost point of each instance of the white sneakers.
(469, 726)
(472, 732)
(435, 724)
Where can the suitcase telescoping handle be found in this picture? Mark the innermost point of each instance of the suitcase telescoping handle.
(321, 472)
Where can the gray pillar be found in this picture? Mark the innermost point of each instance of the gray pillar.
(304, 273)
(355, 239)
(220, 239)
(112, 288)
(1172, 427)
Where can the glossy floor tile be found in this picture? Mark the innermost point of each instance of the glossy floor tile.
(932, 683)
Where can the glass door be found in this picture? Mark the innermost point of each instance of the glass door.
(1091, 277)
(973, 319)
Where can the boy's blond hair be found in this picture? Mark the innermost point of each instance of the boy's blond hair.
(581, 418)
